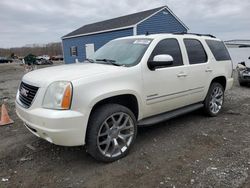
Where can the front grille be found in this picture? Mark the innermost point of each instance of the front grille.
(27, 94)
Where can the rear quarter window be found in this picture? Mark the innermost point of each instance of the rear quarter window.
(219, 50)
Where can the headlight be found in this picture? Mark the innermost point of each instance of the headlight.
(58, 95)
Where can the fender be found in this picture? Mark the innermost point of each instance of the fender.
(117, 93)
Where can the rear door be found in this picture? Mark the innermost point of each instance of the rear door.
(200, 70)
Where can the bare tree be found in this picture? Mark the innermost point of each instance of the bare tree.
(51, 49)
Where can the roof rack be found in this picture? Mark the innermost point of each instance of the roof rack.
(197, 34)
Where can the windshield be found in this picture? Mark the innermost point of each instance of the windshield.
(122, 52)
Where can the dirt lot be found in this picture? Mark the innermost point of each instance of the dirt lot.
(189, 151)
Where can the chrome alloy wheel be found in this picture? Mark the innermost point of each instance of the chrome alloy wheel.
(115, 134)
(216, 100)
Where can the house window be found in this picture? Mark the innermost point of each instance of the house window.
(73, 51)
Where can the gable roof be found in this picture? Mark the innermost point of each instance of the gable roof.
(118, 23)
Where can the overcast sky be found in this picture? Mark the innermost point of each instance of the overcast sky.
(43, 21)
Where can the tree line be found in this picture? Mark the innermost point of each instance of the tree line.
(51, 49)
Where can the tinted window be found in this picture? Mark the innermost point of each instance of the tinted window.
(195, 51)
(170, 47)
(219, 50)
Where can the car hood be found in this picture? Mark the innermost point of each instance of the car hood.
(45, 76)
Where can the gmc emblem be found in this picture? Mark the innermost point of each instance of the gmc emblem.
(24, 92)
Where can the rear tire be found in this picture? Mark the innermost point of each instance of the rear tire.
(111, 132)
(214, 100)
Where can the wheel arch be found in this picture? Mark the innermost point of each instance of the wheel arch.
(128, 100)
(220, 79)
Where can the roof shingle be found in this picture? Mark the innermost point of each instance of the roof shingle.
(115, 23)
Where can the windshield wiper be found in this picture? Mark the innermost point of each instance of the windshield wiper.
(109, 61)
(106, 60)
(90, 60)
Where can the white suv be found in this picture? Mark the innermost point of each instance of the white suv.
(129, 82)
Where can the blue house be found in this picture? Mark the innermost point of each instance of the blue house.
(81, 43)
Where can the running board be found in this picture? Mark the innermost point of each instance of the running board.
(169, 115)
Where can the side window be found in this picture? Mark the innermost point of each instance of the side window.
(195, 51)
(170, 47)
(219, 50)
(73, 51)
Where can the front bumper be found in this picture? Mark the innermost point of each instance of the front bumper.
(61, 127)
(244, 76)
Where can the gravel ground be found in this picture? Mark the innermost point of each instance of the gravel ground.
(188, 151)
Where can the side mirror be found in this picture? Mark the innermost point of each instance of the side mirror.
(160, 61)
(249, 58)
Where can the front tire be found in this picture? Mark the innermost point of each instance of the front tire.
(214, 99)
(243, 83)
(111, 132)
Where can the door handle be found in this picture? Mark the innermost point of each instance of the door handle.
(209, 70)
(182, 74)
